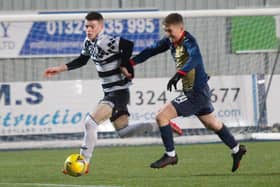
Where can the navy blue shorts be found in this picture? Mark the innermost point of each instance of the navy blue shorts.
(194, 103)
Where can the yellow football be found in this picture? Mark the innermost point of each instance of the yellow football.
(75, 165)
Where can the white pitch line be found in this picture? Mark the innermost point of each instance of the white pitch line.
(54, 185)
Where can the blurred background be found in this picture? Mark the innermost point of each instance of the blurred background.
(217, 61)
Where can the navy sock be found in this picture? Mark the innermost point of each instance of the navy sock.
(227, 137)
(167, 137)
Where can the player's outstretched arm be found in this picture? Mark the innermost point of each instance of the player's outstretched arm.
(52, 71)
(74, 64)
(156, 48)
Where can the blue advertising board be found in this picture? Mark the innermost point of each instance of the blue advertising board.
(58, 38)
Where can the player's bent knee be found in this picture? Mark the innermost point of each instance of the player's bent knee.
(166, 113)
(209, 126)
(162, 119)
(89, 121)
(216, 126)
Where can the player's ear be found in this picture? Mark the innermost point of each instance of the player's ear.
(101, 24)
(181, 26)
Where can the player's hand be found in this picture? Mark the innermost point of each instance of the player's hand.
(52, 71)
(126, 73)
(127, 69)
(173, 81)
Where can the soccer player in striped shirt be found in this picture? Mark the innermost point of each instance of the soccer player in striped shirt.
(111, 56)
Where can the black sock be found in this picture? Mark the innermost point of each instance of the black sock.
(227, 137)
(167, 137)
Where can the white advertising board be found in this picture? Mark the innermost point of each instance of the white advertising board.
(61, 106)
(273, 102)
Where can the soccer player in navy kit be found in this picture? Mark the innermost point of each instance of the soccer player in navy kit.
(196, 99)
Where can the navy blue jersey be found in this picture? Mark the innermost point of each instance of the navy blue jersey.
(187, 57)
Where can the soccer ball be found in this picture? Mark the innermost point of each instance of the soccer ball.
(75, 165)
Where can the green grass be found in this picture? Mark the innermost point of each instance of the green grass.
(199, 165)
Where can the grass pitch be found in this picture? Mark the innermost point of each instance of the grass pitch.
(199, 165)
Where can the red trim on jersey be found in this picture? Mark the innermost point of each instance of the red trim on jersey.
(132, 62)
(181, 72)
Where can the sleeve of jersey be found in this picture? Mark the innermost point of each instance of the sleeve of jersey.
(77, 62)
(194, 57)
(159, 47)
(126, 48)
(82, 59)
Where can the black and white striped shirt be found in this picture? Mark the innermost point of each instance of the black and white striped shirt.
(107, 52)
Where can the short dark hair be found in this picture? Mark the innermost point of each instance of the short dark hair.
(173, 18)
(94, 16)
